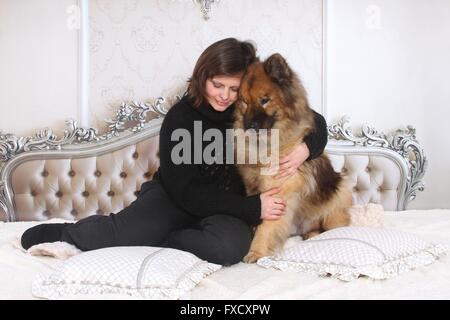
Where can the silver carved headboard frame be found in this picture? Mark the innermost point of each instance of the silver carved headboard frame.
(400, 147)
(131, 125)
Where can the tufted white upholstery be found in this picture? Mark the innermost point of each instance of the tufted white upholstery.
(73, 188)
(374, 179)
(73, 185)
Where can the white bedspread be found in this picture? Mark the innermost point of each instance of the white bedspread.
(242, 281)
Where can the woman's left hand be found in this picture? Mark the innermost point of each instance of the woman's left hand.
(290, 162)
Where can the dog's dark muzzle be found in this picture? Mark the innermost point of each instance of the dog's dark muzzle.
(257, 121)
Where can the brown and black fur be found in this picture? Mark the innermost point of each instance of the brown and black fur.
(272, 97)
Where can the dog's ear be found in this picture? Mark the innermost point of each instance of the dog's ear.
(278, 69)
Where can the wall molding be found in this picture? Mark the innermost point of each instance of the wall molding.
(83, 64)
(324, 57)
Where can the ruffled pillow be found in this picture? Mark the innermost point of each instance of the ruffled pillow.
(349, 252)
(125, 272)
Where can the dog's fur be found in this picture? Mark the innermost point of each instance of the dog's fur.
(272, 97)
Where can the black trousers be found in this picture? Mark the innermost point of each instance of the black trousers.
(154, 220)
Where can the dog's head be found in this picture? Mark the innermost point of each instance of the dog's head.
(270, 94)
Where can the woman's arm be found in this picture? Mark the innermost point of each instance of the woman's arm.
(317, 140)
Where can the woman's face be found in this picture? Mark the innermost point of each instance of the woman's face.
(222, 91)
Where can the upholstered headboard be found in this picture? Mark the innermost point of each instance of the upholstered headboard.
(383, 168)
(85, 173)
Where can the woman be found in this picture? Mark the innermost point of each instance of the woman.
(196, 207)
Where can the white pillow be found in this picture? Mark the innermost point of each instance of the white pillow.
(349, 252)
(129, 272)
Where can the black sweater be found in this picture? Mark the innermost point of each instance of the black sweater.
(210, 189)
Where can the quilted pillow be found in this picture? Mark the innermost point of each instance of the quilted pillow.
(349, 252)
(132, 272)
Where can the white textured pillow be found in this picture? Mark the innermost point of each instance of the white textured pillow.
(349, 252)
(135, 272)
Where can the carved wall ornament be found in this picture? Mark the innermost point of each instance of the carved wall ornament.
(205, 7)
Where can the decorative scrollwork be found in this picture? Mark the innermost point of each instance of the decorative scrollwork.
(11, 145)
(3, 196)
(402, 141)
(405, 143)
(370, 136)
(134, 111)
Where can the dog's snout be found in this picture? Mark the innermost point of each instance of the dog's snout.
(252, 125)
(258, 121)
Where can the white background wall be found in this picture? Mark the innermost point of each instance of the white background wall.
(143, 49)
(388, 65)
(138, 50)
(38, 65)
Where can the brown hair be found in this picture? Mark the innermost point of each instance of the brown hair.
(228, 57)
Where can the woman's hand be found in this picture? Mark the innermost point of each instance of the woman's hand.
(272, 208)
(290, 163)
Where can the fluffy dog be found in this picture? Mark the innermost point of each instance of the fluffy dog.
(317, 198)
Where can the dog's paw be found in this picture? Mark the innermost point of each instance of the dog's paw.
(311, 234)
(252, 257)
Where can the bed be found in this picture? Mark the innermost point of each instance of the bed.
(49, 179)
